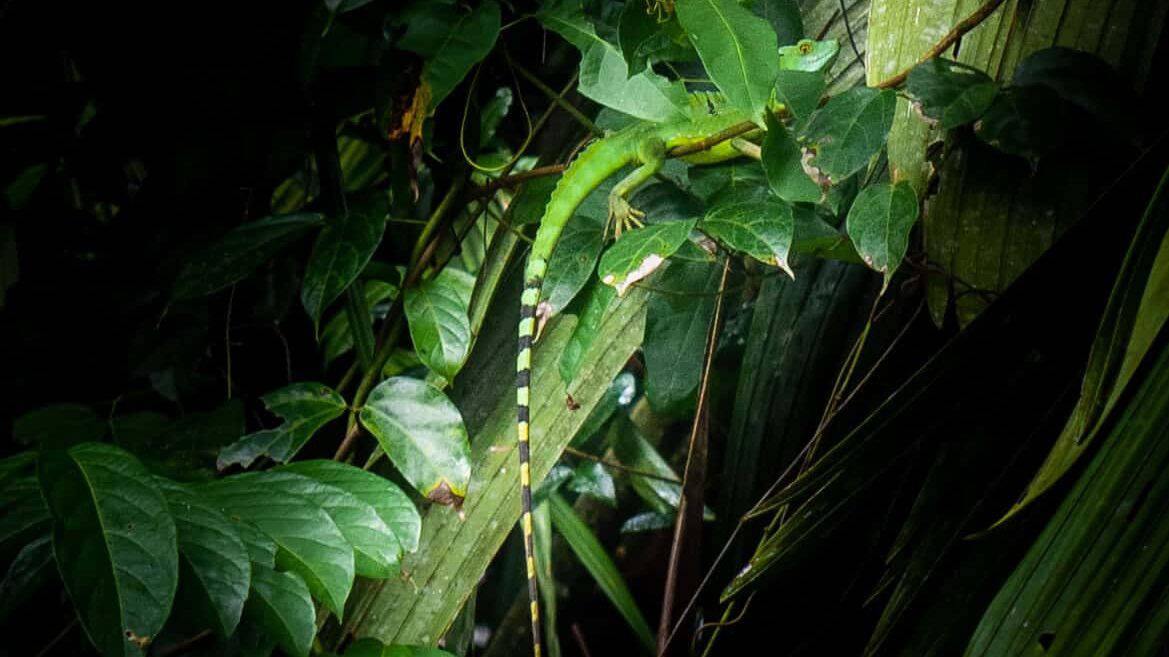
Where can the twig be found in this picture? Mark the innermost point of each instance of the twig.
(965, 25)
(717, 138)
(517, 179)
(57, 639)
(617, 466)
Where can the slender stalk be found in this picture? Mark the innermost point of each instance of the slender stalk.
(556, 98)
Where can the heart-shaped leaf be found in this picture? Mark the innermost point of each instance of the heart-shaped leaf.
(240, 252)
(115, 544)
(341, 251)
(217, 561)
(879, 223)
(308, 542)
(391, 504)
(737, 48)
(305, 407)
(281, 605)
(849, 130)
(762, 229)
(436, 311)
(640, 252)
(422, 432)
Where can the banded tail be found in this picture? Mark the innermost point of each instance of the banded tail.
(591, 167)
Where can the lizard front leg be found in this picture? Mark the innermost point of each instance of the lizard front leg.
(651, 153)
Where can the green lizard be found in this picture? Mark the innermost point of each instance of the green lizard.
(646, 146)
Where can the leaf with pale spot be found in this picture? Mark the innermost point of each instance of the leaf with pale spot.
(640, 252)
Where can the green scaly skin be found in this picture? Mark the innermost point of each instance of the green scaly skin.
(644, 145)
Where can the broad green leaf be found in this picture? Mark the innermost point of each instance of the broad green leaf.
(800, 93)
(31, 569)
(596, 302)
(23, 515)
(304, 407)
(809, 56)
(115, 544)
(341, 251)
(677, 321)
(645, 39)
(58, 426)
(368, 647)
(782, 161)
(761, 229)
(261, 548)
(240, 252)
(733, 180)
(280, 604)
(605, 78)
(595, 559)
(308, 542)
(592, 479)
(436, 311)
(879, 223)
(575, 256)
(849, 130)
(451, 40)
(950, 93)
(376, 551)
(737, 48)
(337, 337)
(216, 559)
(640, 252)
(391, 504)
(423, 434)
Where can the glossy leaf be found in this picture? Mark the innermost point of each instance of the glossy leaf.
(592, 479)
(305, 408)
(451, 40)
(216, 557)
(595, 559)
(737, 48)
(879, 223)
(437, 314)
(240, 252)
(388, 501)
(308, 542)
(950, 93)
(376, 551)
(681, 306)
(640, 252)
(115, 544)
(341, 251)
(31, 569)
(761, 229)
(849, 130)
(368, 647)
(281, 605)
(423, 434)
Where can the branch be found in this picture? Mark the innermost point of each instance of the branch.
(717, 138)
(517, 179)
(965, 25)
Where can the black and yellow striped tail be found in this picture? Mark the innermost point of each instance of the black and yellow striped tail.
(531, 298)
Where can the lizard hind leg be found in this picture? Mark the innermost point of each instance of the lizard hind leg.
(651, 153)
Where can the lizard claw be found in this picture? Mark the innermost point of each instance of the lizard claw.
(623, 216)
